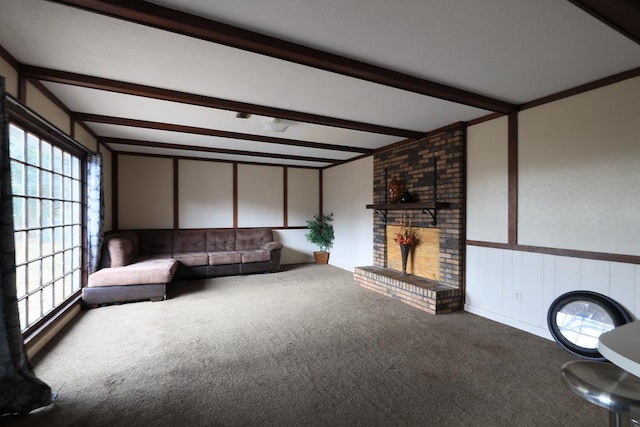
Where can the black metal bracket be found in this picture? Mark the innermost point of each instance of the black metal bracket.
(383, 213)
(434, 215)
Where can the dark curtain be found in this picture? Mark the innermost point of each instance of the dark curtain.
(20, 390)
(95, 210)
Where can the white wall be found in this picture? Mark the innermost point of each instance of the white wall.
(205, 194)
(84, 137)
(303, 193)
(295, 248)
(11, 77)
(205, 198)
(39, 102)
(303, 202)
(347, 189)
(487, 181)
(145, 192)
(579, 171)
(578, 189)
(260, 196)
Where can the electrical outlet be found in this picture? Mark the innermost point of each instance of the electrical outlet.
(516, 295)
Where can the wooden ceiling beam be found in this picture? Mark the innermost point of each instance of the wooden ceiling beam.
(153, 144)
(64, 77)
(121, 121)
(621, 15)
(186, 24)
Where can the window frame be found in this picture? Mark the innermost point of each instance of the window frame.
(29, 121)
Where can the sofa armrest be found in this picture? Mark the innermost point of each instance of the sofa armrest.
(271, 246)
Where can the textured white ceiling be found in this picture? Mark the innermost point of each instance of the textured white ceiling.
(511, 50)
(167, 137)
(516, 51)
(94, 101)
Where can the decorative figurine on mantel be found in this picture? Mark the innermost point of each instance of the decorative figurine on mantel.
(395, 190)
(406, 197)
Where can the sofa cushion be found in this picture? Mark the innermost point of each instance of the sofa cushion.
(189, 241)
(141, 272)
(192, 259)
(120, 251)
(155, 242)
(152, 257)
(253, 238)
(271, 246)
(220, 240)
(257, 255)
(224, 257)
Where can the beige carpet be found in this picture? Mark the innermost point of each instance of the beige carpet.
(303, 347)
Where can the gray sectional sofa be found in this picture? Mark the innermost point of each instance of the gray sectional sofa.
(138, 264)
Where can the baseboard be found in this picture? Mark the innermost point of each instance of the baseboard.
(38, 342)
(532, 329)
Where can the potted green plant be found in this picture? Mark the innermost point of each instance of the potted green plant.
(321, 234)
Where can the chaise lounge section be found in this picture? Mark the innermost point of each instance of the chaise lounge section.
(138, 264)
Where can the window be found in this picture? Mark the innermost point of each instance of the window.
(46, 181)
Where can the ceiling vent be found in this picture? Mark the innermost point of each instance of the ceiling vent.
(242, 115)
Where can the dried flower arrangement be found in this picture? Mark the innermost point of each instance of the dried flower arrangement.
(406, 235)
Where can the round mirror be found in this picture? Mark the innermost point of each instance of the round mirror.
(577, 319)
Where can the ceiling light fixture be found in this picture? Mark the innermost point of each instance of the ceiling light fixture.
(276, 125)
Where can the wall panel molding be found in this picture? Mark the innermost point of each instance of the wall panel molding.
(572, 253)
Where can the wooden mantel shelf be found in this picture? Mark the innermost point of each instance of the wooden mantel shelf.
(430, 208)
(408, 206)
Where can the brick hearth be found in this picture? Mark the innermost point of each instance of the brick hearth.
(418, 292)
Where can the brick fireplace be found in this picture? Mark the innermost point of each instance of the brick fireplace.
(432, 171)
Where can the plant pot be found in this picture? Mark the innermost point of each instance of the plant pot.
(321, 257)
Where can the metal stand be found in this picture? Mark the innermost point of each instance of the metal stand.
(607, 386)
